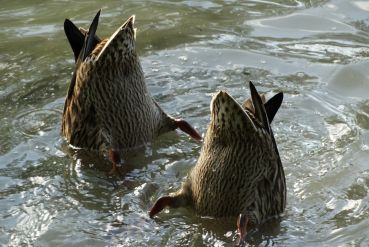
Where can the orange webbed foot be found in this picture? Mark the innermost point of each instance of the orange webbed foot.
(160, 204)
(114, 157)
(187, 128)
(242, 223)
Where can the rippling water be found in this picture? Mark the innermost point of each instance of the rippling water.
(316, 52)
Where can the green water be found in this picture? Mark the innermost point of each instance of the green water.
(316, 52)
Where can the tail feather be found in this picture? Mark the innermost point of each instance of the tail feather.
(260, 112)
(74, 36)
(88, 44)
(272, 106)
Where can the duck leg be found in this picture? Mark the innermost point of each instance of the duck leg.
(114, 157)
(187, 128)
(242, 223)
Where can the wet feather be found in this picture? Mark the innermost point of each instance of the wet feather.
(239, 170)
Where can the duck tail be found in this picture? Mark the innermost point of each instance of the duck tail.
(272, 106)
(88, 45)
(74, 36)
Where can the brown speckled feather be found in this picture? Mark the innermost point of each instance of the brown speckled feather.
(108, 103)
(239, 169)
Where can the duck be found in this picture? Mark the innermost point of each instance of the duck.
(108, 106)
(239, 172)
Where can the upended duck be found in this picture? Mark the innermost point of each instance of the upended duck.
(239, 171)
(108, 106)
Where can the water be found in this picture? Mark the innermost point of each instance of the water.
(316, 52)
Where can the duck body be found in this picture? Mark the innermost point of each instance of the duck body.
(228, 180)
(108, 104)
(239, 171)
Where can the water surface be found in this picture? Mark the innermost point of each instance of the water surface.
(316, 52)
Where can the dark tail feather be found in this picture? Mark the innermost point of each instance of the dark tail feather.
(74, 36)
(273, 105)
(260, 111)
(90, 37)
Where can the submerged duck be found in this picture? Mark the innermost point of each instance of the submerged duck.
(108, 106)
(239, 171)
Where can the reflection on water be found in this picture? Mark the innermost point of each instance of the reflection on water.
(314, 51)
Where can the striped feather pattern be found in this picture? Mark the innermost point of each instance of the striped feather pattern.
(237, 166)
(239, 169)
(108, 103)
